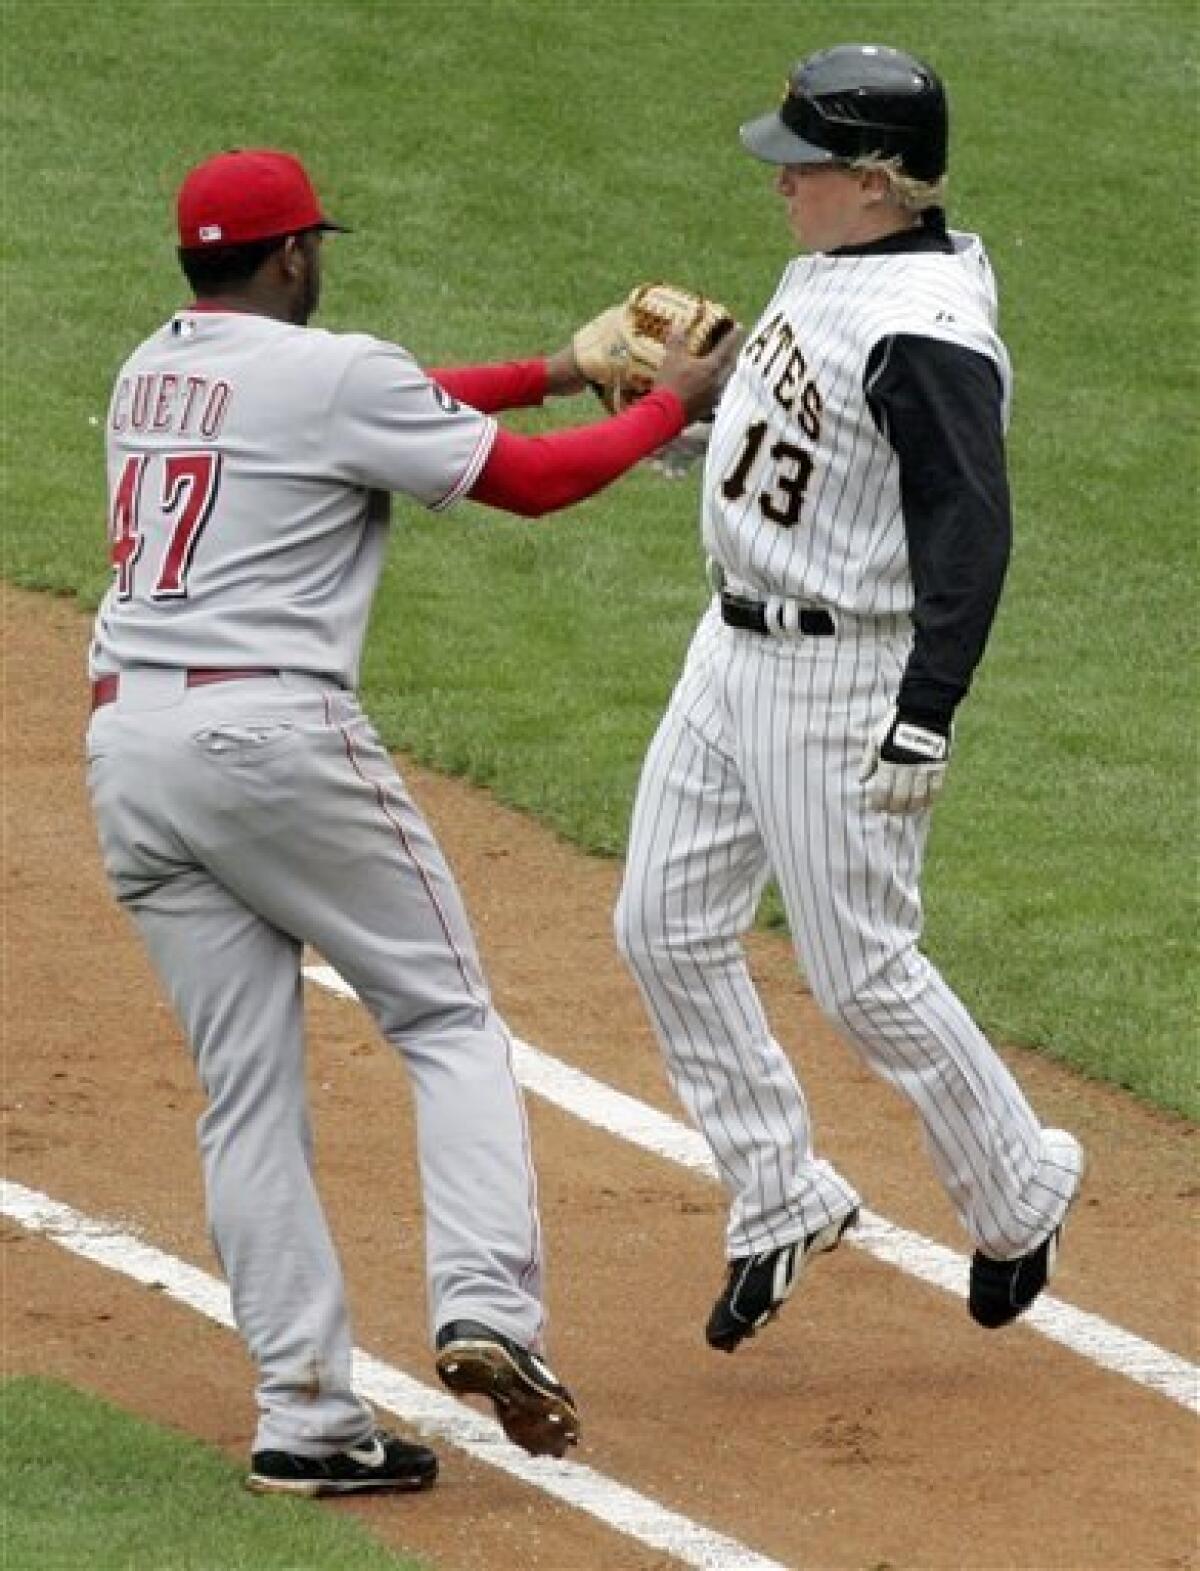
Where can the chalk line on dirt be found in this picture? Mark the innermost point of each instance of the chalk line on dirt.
(1086, 1334)
(425, 1408)
(437, 1415)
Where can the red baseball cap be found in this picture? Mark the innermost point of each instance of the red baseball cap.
(247, 194)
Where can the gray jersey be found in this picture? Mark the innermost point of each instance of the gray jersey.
(802, 490)
(249, 469)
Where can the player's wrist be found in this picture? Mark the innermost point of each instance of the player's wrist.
(563, 376)
(917, 736)
(906, 742)
(939, 721)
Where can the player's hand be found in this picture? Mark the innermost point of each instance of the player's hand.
(698, 380)
(904, 765)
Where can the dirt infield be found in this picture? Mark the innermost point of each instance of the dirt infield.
(873, 1426)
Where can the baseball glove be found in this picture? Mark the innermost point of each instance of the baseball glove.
(621, 350)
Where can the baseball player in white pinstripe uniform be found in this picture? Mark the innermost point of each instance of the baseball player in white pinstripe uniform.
(857, 525)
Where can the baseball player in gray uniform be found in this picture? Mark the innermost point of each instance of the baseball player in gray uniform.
(246, 807)
(857, 523)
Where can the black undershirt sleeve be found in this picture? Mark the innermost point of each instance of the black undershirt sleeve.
(939, 406)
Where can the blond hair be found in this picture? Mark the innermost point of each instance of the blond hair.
(914, 196)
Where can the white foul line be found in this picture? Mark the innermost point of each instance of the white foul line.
(613, 1504)
(1088, 1335)
(427, 1409)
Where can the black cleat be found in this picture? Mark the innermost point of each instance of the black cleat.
(535, 1409)
(1003, 1289)
(758, 1286)
(382, 1461)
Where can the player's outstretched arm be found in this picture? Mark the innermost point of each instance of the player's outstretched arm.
(512, 384)
(620, 354)
(534, 475)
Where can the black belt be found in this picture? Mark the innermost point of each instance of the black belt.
(737, 611)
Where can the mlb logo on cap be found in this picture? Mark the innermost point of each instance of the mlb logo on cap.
(245, 195)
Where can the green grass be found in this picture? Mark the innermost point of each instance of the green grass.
(512, 166)
(86, 1486)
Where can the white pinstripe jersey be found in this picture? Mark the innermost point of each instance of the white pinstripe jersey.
(801, 490)
(250, 466)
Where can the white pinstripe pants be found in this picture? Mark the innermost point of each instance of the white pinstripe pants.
(753, 772)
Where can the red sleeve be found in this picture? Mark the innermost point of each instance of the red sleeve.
(532, 475)
(511, 384)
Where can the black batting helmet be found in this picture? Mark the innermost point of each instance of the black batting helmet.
(856, 101)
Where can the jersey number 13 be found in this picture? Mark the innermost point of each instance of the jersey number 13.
(782, 501)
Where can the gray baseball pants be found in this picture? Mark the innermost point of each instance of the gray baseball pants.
(239, 822)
